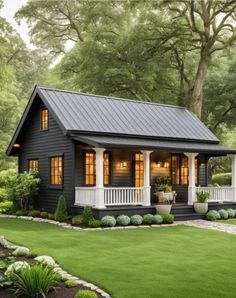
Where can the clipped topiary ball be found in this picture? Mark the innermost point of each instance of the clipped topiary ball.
(136, 220)
(231, 213)
(223, 213)
(108, 221)
(123, 220)
(210, 216)
(147, 219)
(168, 218)
(216, 213)
(157, 219)
(85, 294)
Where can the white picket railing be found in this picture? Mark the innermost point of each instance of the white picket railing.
(85, 196)
(218, 194)
(123, 196)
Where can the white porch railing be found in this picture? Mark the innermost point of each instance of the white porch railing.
(85, 196)
(218, 194)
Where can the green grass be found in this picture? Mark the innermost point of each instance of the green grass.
(228, 221)
(173, 262)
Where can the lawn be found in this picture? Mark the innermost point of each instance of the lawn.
(228, 221)
(173, 262)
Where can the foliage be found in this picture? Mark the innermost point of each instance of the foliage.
(77, 220)
(70, 283)
(222, 179)
(85, 294)
(108, 221)
(19, 213)
(147, 219)
(16, 266)
(202, 196)
(51, 216)
(34, 213)
(34, 281)
(168, 218)
(223, 213)
(94, 223)
(32, 254)
(5, 206)
(157, 219)
(162, 184)
(231, 213)
(44, 214)
(122, 220)
(3, 194)
(210, 216)
(136, 220)
(61, 210)
(216, 214)
(5, 281)
(87, 214)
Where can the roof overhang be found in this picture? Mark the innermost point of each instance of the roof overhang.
(115, 142)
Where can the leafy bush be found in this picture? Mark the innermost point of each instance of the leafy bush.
(222, 179)
(34, 281)
(77, 220)
(44, 214)
(34, 213)
(168, 218)
(94, 223)
(85, 294)
(3, 194)
(136, 220)
(122, 220)
(210, 216)
(16, 266)
(87, 214)
(157, 219)
(51, 216)
(202, 196)
(216, 213)
(19, 213)
(61, 211)
(231, 213)
(147, 219)
(70, 283)
(5, 206)
(223, 214)
(108, 221)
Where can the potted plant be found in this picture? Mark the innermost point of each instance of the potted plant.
(163, 190)
(201, 206)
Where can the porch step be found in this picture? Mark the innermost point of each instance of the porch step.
(182, 209)
(188, 216)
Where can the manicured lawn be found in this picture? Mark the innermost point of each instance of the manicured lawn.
(167, 262)
(228, 221)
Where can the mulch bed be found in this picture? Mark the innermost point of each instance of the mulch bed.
(62, 291)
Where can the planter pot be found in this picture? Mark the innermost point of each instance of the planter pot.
(201, 208)
(163, 209)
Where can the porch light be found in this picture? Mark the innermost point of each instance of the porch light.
(166, 164)
(158, 164)
(202, 165)
(123, 164)
(16, 145)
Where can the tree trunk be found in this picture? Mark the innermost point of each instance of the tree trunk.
(196, 98)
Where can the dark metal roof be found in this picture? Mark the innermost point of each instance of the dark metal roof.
(150, 144)
(102, 114)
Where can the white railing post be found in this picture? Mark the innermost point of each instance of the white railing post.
(234, 177)
(99, 178)
(191, 178)
(147, 186)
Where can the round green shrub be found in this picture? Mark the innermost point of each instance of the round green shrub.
(19, 213)
(85, 294)
(136, 220)
(231, 213)
(168, 218)
(223, 214)
(44, 214)
(77, 220)
(108, 221)
(34, 213)
(216, 213)
(123, 220)
(210, 216)
(70, 283)
(87, 215)
(157, 219)
(51, 216)
(94, 223)
(147, 219)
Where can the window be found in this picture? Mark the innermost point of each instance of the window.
(139, 170)
(33, 165)
(90, 168)
(180, 170)
(44, 119)
(106, 169)
(175, 169)
(56, 170)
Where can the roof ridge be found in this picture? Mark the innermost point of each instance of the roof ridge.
(112, 97)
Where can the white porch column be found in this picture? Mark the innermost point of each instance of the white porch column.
(99, 178)
(191, 177)
(234, 176)
(146, 186)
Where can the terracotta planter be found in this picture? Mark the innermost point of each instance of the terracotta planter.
(201, 208)
(163, 209)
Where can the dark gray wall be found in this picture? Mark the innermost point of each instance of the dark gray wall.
(36, 144)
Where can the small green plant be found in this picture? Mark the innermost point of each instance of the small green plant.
(77, 220)
(61, 211)
(157, 219)
(32, 254)
(231, 213)
(94, 223)
(223, 213)
(5, 206)
(3, 264)
(34, 281)
(123, 220)
(51, 216)
(44, 214)
(5, 281)
(168, 218)
(216, 213)
(147, 219)
(70, 283)
(202, 196)
(108, 221)
(85, 294)
(136, 220)
(210, 216)
(34, 213)
(87, 214)
(19, 213)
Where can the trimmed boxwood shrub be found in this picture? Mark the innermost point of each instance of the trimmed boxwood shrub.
(108, 221)
(87, 214)
(77, 220)
(51, 216)
(157, 219)
(19, 213)
(70, 283)
(211, 216)
(44, 214)
(147, 219)
(123, 220)
(94, 223)
(216, 213)
(168, 218)
(34, 213)
(85, 294)
(231, 213)
(223, 213)
(136, 220)
(61, 211)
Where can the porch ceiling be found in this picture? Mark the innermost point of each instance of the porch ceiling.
(151, 144)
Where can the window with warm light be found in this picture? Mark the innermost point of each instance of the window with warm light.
(44, 119)
(56, 170)
(180, 170)
(106, 169)
(139, 170)
(33, 165)
(90, 168)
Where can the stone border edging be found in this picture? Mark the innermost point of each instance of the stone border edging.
(64, 274)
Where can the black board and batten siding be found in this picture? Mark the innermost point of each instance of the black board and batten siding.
(37, 144)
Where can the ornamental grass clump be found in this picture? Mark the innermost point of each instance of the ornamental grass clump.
(147, 219)
(108, 221)
(123, 220)
(61, 211)
(224, 214)
(157, 219)
(136, 220)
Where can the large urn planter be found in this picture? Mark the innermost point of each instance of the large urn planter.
(163, 209)
(201, 208)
